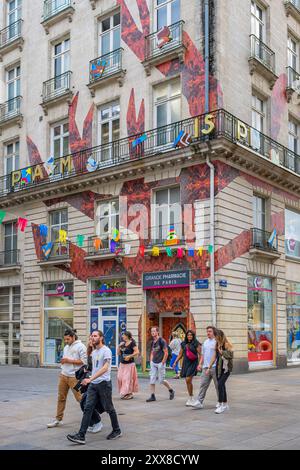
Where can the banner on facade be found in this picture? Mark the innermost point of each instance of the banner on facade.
(166, 280)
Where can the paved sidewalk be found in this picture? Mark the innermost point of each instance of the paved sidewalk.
(264, 414)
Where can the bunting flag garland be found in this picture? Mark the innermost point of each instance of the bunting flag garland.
(80, 240)
(200, 251)
(112, 246)
(116, 235)
(43, 230)
(2, 216)
(47, 249)
(191, 252)
(163, 37)
(142, 251)
(98, 244)
(155, 251)
(127, 249)
(183, 140)
(180, 253)
(169, 252)
(172, 237)
(210, 249)
(50, 166)
(62, 238)
(139, 140)
(22, 224)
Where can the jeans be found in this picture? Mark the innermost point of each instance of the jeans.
(221, 386)
(96, 418)
(173, 359)
(99, 392)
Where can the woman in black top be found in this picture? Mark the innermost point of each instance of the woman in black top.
(127, 374)
(191, 352)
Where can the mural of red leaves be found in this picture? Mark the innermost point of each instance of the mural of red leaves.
(278, 104)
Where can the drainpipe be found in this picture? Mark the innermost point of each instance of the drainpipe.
(212, 172)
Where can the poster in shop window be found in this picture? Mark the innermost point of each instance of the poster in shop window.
(109, 331)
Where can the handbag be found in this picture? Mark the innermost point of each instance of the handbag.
(189, 354)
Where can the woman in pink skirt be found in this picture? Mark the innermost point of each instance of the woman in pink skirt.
(127, 374)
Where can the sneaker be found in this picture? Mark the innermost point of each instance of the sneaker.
(197, 405)
(172, 394)
(76, 438)
(218, 405)
(97, 428)
(90, 429)
(54, 424)
(190, 402)
(226, 407)
(114, 435)
(220, 410)
(152, 398)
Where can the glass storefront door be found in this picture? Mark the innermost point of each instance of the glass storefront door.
(260, 321)
(58, 316)
(9, 325)
(293, 321)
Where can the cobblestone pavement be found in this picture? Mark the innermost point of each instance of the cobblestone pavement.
(264, 414)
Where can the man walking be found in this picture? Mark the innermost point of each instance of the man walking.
(208, 374)
(100, 389)
(158, 359)
(74, 357)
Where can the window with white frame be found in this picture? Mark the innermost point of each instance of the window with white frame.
(167, 13)
(109, 128)
(10, 243)
(293, 53)
(58, 221)
(258, 113)
(259, 213)
(167, 110)
(61, 57)
(11, 157)
(110, 34)
(107, 220)
(60, 139)
(294, 138)
(13, 82)
(14, 11)
(167, 214)
(258, 21)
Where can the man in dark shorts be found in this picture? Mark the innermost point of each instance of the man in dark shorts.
(158, 359)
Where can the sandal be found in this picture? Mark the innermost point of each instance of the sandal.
(128, 397)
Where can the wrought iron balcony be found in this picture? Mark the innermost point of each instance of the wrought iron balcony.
(54, 7)
(165, 44)
(56, 88)
(262, 58)
(261, 240)
(292, 7)
(155, 144)
(100, 247)
(10, 110)
(9, 258)
(293, 82)
(10, 34)
(59, 253)
(106, 67)
(161, 236)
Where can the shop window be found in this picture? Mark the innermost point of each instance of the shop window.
(9, 325)
(58, 316)
(292, 233)
(108, 291)
(260, 320)
(293, 321)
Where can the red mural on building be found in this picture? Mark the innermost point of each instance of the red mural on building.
(278, 104)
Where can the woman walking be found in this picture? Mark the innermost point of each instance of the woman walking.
(224, 357)
(191, 353)
(175, 347)
(127, 374)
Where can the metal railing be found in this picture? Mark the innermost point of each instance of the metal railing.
(57, 86)
(10, 109)
(60, 251)
(106, 65)
(9, 258)
(152, 144)
(263, 53)
(10, 33)
(164, 40)
(295, 3)
(293, 79)
(100, 246)
(260, 239)
(53, 7)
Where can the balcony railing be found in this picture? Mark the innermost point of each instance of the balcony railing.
(262, 53)
(59, 252)
(294, 3)
(106, 65)
(98, 246)
(53, 7)
(152, 144)
(10, 110)
(261, 240)
(10, 33)
(163, 235)
(9, 258)
(293, 79)
(57, 87)
(164, 40)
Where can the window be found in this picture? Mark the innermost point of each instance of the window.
(10, 325)
(293, 321)
(107, 220)
(109, 129)
(257, 21)
(60, 140)
(167, 13)
(259, 213)
(292, 233)
(110, 34)
(167, 213)
(10, 243)
(294, 145)
(61, 59)
(293, 53)
(13, 83)
(258, 113)
(58, 221)
(58, 314)
(12, 157)
(167, 109)
(14, 11)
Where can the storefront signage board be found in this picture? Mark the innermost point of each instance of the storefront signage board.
(166, 280)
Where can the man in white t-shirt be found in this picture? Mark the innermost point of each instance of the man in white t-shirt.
(100, 389)
(208, 374)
